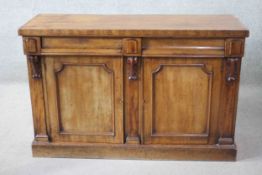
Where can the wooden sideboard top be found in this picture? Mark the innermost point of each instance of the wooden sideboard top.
(177, 26)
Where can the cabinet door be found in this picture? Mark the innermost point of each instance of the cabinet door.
(84, 99)
(181, 100)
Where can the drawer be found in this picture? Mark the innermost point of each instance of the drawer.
(90, 46)
(183, 47)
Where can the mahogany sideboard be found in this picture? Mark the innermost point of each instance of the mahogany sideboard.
(134, 86)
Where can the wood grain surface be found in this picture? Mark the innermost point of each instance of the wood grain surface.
(134, 86)
(135, 25)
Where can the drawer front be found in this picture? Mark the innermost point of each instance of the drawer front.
(81, 45)
(84, 97)
(181, 100)
(183, 47)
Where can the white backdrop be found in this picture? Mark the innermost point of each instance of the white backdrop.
(14, 13)
(16, 130)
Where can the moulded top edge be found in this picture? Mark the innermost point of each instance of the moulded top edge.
(135, 26)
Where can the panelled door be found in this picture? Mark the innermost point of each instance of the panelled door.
(181, 98)
(84, 97)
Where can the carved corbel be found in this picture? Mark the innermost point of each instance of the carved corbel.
(133, 63)
(35, 62)
(32, 48)
(232, 69)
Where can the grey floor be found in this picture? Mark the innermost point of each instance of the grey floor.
(16, 133)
